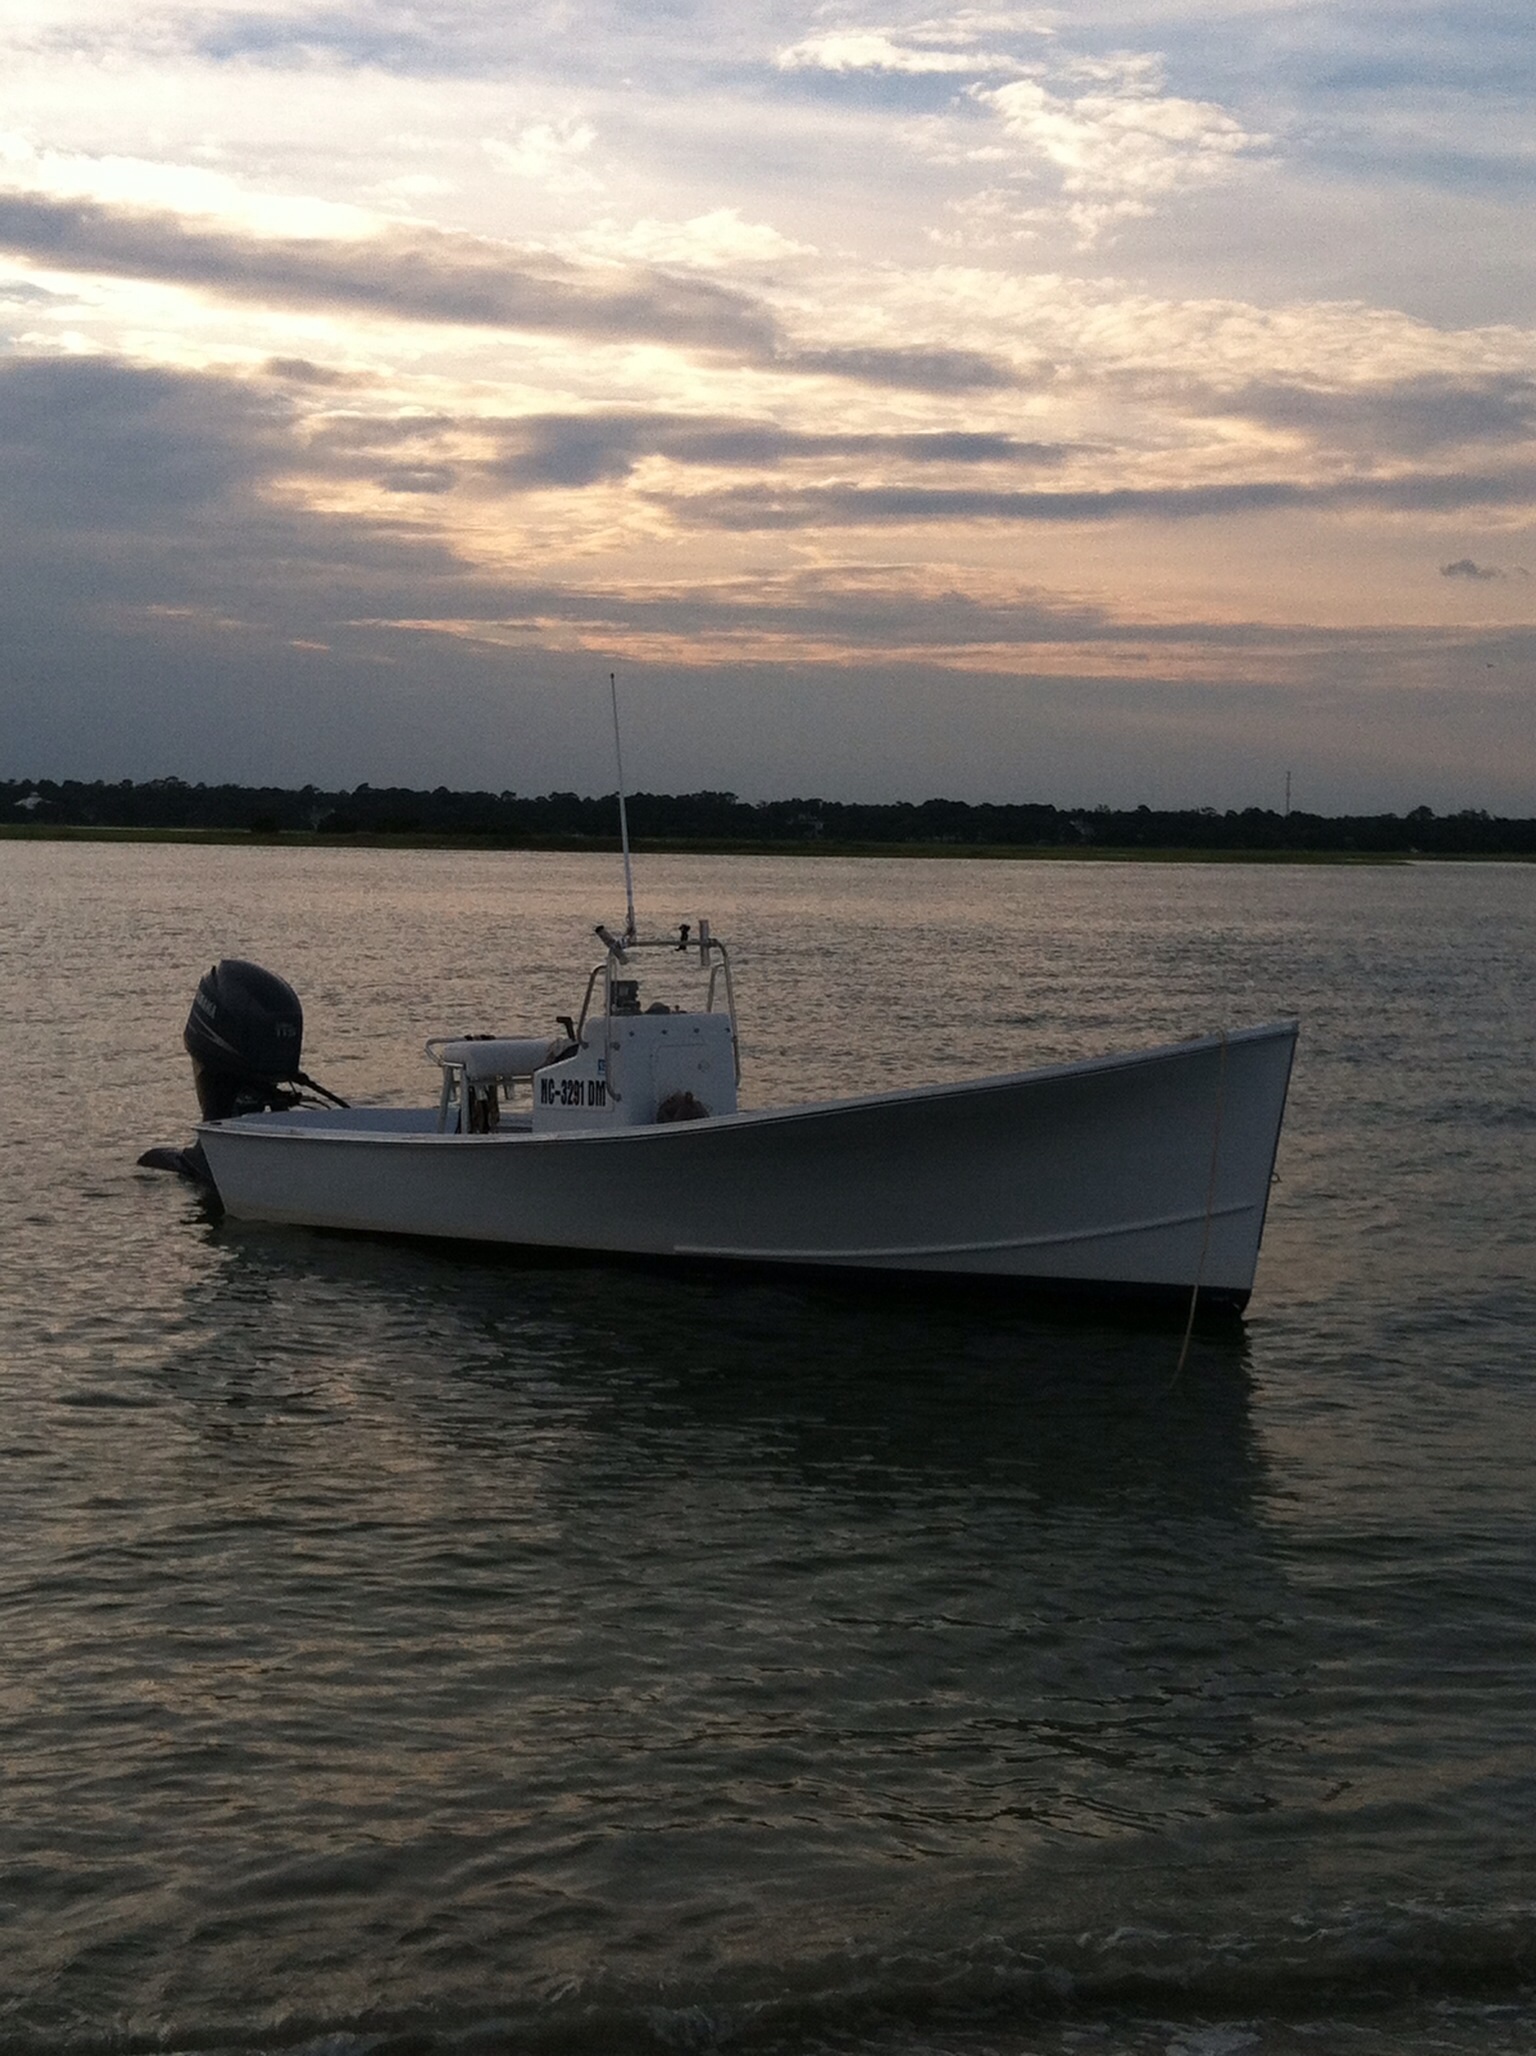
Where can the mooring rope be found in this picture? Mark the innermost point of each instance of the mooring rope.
(1210, 1205)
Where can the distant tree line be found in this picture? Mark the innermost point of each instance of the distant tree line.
(512, 820)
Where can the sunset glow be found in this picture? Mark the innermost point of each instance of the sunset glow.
(1089, 404)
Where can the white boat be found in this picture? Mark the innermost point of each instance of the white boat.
(1131, 1177)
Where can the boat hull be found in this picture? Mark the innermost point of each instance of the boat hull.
(1143, 1176)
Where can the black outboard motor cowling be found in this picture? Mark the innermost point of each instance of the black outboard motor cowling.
(245, 1036)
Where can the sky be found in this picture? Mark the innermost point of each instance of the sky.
(1095, 404)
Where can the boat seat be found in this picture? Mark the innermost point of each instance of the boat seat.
(482, 1058)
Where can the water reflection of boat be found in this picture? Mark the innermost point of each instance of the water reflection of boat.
(1142, 1177)
(882, 1401)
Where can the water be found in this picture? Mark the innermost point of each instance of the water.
(407, 1651)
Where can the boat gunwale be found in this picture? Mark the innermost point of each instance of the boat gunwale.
(329, 1127)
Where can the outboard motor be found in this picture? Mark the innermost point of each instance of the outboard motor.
(245, 1036)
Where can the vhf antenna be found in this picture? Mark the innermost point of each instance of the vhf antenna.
(618, 758)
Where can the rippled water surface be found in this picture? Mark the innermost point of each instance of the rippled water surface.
(420, 1650)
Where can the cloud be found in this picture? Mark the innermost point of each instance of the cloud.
(1122, 144)
(569, 450)
(151, 495)
(745, 508)
(170, 486)
(677, 333)
(1104, 129)
(201, 619)
(548, 153)
(428, 275)
(814, 611)
(944, 44)
(157, 574)
(406, 273)
(178, 188)
(712, 241)
(877, 50)
(911, 366)
(566, 452)
(415, 185)
(419, 478)
(16, 292)
(427, 38)
(303, 371)
(87, 443)
(1409, 415)
(766, 507)
(1465, 568)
